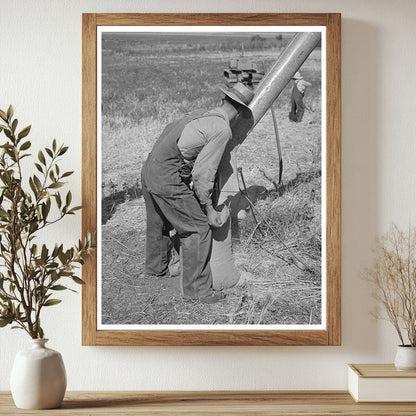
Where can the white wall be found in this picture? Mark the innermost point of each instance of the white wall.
(40, 73)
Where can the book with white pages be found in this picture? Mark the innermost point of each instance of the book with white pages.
(381, 383)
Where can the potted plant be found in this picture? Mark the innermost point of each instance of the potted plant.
(393, 277)
(31, 273)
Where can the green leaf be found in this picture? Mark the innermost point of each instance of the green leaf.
(25, 155)
(55, 251)
(33, 227)
(54, 145)
(40, 332)
(8, 133)
(68, 199)
(63, 150)
(56, 185)
(62, 257)
(51, 302)
(37, 182)
(10, 112)
(76, 279)
(39, 167)
(44, 253)
(72, 210)
(67, 174)
(24, 132)
(5, 321)
(3, 115)
(58, 199)
(34, 249)
(14, 125)
(60, 249)
(49, 152)
(45, 211)
(33, 187)
(25, 145)
(59, 287)
(41, 157)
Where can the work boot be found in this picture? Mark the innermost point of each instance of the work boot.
(213, 297)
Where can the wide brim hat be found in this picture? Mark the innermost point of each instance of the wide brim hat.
(297, 76)
(239, 93)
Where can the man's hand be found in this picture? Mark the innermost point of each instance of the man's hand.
(225, 214)
(214, 217)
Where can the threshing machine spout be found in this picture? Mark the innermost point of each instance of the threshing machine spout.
(270, 87)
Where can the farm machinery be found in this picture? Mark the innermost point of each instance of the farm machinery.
(267, 88)
(250, 73)
(244, 70)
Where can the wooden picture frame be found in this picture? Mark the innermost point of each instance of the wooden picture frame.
(331, 334)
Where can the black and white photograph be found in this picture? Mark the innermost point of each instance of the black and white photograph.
(211, 189)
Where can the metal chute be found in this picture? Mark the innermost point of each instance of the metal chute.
(225, 274)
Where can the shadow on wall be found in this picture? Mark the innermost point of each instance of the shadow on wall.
(360, 180)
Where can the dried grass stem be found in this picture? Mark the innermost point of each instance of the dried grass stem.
(393, 276)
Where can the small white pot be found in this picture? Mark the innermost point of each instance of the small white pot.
(405, 358)
(38, 377)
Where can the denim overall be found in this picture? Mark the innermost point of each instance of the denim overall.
(170, 204)
(298, 106)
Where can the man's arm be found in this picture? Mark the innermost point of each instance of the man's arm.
(206, 166)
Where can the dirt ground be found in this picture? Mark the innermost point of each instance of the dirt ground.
(278, 293)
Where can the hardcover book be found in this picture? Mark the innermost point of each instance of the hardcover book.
(381, 383)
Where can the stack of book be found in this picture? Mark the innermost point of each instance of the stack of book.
(381, 383)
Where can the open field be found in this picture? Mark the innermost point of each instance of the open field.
(149, 83)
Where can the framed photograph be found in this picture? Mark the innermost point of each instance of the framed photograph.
(211, 172)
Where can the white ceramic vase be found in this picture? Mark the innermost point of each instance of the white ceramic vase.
(405, 358)
(38, 378)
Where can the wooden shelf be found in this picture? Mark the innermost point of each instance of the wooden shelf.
(317, 403)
